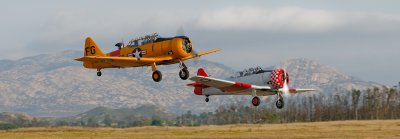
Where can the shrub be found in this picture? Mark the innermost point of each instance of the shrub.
(7, 126)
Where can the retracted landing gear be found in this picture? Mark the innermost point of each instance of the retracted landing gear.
(183, 73)
(207, 99)
(279, 102)
(157, 76)
(98, 72)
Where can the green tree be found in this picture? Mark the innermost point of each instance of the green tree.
(121, 124)
(156, 121)
(107, 120)
(355, 98)
(7, 126)
(92, 122)
(62, 123)
(270, 117)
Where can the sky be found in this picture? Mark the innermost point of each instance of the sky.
(358, 37)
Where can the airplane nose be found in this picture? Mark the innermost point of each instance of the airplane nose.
(187, 46)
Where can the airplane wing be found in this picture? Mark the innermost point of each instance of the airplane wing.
(226, 85)
(230, 86)
(123, 59)
(202, 53)
(296, 90)
(142, 59)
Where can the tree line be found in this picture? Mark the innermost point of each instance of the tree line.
(370, 104)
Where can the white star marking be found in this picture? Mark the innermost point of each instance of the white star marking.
(137, 55)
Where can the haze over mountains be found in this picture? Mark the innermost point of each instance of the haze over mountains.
(56, 85)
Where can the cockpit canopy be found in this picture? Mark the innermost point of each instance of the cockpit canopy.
(143, 40)
(152, 38)
(249, 71)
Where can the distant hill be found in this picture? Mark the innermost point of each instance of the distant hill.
(12, 117)
(324, 78)
(56, 85)
(122, 114)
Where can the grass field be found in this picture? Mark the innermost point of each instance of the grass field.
(338, 129)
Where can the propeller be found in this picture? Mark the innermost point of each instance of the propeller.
(285, 89)
(181, 32)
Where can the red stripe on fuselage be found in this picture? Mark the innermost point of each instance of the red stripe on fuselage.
(238, 86)
(115, 53)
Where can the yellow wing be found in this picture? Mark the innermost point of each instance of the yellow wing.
(202, 53)
(123, 59)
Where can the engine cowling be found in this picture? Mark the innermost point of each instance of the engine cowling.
(278, 76)
(182, 47)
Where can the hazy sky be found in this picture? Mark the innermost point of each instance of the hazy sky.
(358, 37)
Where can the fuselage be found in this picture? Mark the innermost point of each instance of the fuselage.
(254, 82)
(176, 47)
(156, 48)
(260, 79)
(150, 50)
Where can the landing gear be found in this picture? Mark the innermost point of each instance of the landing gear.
(255, 101)
(183, 73)
(157, 76)
(207, 99)
(98, 72)
(280, 103)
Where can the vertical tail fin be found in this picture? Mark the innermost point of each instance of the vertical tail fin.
(91, 48)
(198, 87)
(202, 72)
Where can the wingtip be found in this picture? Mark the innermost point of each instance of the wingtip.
(78, 59)
(216, 49)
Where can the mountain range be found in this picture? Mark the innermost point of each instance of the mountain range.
(54, 85)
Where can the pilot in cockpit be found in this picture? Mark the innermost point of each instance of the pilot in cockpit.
(120, 45)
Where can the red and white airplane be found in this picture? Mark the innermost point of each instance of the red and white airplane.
(255, 82)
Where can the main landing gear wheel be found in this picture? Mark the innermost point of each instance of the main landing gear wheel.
(280, 103)
(99, 73)
(207, 99)
(255, 101)
(157, 76)
(184, 74)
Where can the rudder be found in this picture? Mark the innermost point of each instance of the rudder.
(198, 87)
(91, 48)
(202, 72)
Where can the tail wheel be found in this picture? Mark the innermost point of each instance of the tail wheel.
(99, 73)
(280, 103)
(207, 99)
(184, 74)
(157, 76)
(255, 101)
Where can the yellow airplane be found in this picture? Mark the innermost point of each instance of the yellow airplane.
(150, 50)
